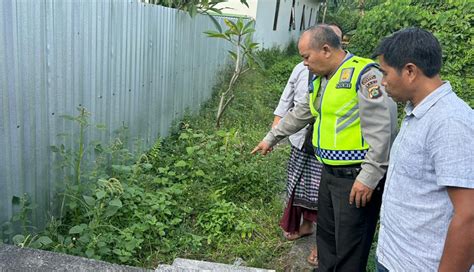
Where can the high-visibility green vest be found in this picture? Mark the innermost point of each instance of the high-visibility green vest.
(337, 135)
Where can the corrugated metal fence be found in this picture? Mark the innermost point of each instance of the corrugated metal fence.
(128, 63)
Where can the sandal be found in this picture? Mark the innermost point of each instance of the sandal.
(313, 257)
(291, 236)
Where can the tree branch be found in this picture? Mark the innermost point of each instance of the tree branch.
(227, 102)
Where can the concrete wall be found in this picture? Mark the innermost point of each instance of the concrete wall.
(281, 37)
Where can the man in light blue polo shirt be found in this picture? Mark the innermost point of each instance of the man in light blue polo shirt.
(427, 215)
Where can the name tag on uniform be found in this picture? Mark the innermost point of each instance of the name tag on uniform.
(345, 79)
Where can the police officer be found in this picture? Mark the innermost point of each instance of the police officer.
(356, 123)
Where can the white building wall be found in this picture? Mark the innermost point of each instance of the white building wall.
(236, 7)
(281, 37)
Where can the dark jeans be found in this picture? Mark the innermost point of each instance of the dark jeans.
(344, 232)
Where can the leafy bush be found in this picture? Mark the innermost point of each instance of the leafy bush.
(281, 71)
(347, 13)
(199, 193)
(345, 16)
(382, 21)
(270, 56)
(278, 66)
(450, 21)
(292, 49)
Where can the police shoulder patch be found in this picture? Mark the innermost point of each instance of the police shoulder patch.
(368, 79)
(371, 83)
(375, 92)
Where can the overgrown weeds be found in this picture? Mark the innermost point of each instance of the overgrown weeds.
(195, 194)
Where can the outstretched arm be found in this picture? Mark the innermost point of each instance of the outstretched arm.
(295, 120)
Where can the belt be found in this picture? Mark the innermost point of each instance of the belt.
(346, 171)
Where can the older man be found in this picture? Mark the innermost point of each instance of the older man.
(427, 217)
(354, 128)
(304, 170)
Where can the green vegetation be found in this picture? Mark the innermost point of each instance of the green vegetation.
(449, 20)
(196, 194)
(347, 13)
(451, 23)
(239, 35)
(199, 193)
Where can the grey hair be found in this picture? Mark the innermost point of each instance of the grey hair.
(322, 34)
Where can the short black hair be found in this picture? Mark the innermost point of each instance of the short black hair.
(412, 45)
(322, 34)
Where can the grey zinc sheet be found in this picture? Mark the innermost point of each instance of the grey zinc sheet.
(130, 64)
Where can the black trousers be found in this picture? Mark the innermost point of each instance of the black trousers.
(344, 232)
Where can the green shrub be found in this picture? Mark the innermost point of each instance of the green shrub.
(292, 49)
(345, 16)
(347, 13)
(198, 194)
(270, 56)
(279, 73)
(278, 66)
(450, 22)
(381, 21)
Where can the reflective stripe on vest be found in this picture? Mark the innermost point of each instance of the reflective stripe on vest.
(337, 135)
